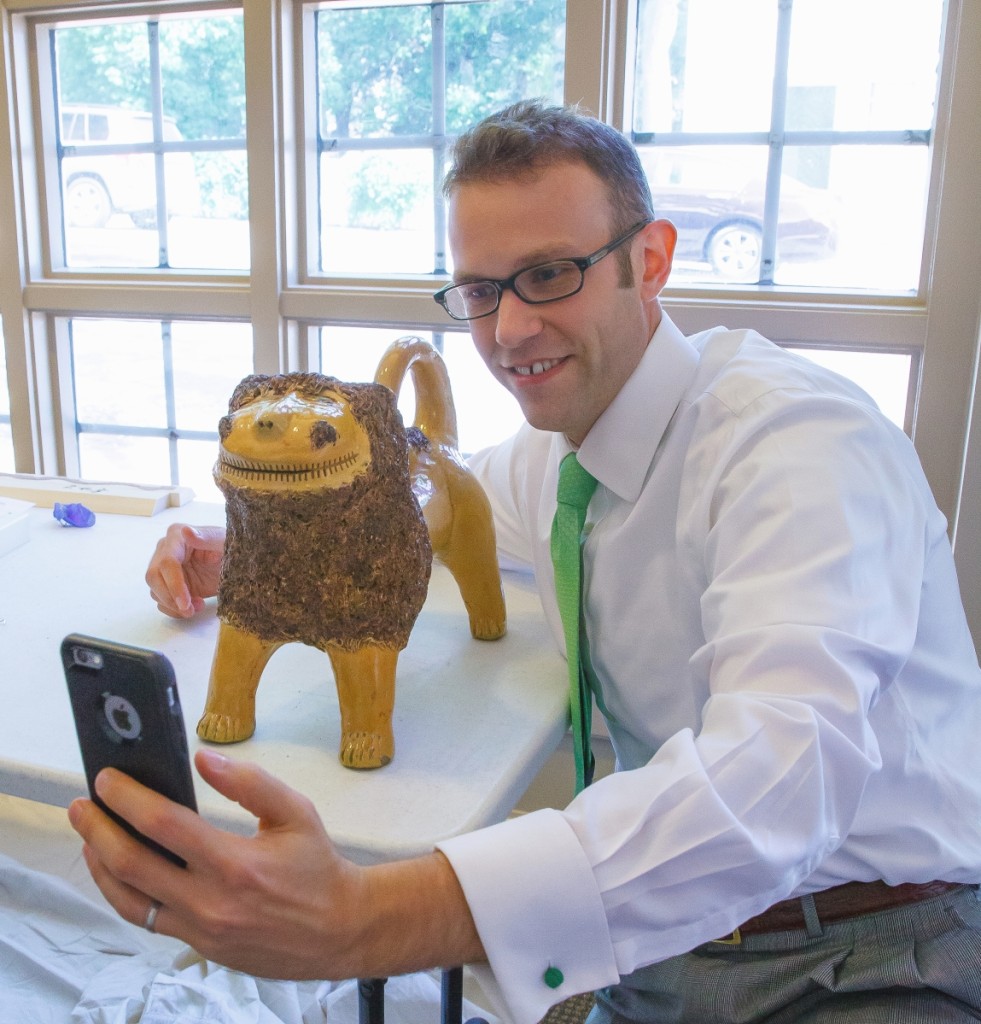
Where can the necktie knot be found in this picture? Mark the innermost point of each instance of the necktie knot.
(576, 485)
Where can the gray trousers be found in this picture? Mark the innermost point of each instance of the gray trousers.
(917, 964)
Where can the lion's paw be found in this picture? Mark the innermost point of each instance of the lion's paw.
(366, 749)
(487, 629)
(222, 728)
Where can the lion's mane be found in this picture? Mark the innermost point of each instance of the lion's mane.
(339, 566)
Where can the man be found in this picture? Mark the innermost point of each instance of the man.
(776, 638)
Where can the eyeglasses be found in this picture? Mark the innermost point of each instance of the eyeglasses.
(546, 282)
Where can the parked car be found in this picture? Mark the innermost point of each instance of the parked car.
(98, 185)
(723, 226)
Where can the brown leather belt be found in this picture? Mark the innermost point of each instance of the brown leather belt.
(838, 904)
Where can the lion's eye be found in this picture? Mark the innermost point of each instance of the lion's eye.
(224, 427)
(322, 434)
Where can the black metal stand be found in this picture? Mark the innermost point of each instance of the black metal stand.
(371, 999)
(451, 1004)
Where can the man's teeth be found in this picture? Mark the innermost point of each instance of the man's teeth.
(536, 368)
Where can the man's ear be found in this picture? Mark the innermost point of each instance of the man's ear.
(659, 238)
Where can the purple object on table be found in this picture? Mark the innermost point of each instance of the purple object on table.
(75, 514)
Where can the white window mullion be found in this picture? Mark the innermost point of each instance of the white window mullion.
(951, 345)
(595, 55)
(268, 84)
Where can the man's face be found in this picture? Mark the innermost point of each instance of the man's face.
(564, 361)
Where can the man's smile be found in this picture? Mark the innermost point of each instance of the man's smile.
(536, 368)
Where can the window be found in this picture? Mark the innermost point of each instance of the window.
(157, 421)
(789, 142)
(6, 438)
(151, 141)
(395, 83)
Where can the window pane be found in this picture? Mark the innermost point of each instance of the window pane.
(382, 133)
(146, 190)
(501, 52)
(6, 437)
(118, 372)
(375, 71)
(714, 196)
(840, 144)
(485, 412)
(883, 74)
(875, 207)
(149, 394)
(377, 211)
(883, 375)
(704, 65)
(209, 360)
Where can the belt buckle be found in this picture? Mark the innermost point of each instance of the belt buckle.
(734, 938)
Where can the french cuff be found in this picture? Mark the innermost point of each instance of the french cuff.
(537, 909)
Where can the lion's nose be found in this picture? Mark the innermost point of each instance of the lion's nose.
(274, 418)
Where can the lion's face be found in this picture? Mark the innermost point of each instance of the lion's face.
(292, 441)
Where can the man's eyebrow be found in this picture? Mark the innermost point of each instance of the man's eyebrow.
(530, 260)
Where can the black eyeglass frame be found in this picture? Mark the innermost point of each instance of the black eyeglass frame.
(583, 263)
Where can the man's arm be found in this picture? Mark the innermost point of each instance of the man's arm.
(282, 903)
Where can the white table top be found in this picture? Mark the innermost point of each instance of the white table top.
(474, 720)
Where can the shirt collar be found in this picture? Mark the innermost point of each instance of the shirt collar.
(619, 448)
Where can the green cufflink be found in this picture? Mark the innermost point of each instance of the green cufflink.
(553, 977)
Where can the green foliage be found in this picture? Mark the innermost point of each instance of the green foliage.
(375, 64)
(202, 70)
(104, 64)
(374, 76)
(375, 80)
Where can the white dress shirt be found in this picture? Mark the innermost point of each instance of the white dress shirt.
(786, 671)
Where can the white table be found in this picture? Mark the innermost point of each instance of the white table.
(474, 720)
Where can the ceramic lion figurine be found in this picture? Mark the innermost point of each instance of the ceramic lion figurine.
(334, 512)
(325, 545)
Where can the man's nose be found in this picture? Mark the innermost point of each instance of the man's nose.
(516, 320)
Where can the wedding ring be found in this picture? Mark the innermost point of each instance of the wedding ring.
(151, 915)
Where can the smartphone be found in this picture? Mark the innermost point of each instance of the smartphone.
(128, 716)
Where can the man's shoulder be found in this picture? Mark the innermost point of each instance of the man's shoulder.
(740, 367)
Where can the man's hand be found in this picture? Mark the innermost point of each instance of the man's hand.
(184, 569)
(282, 903)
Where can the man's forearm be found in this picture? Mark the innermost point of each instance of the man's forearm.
(416, 917)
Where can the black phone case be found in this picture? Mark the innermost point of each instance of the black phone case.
(128, 716)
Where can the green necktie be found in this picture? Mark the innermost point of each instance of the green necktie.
(576, 487)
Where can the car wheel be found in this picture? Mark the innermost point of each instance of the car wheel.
(734, 252)
(87, 203)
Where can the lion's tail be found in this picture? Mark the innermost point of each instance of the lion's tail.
(435, 413)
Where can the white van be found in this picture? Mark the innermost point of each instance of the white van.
(98, 185)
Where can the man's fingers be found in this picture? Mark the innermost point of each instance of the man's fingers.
(183, 569)
(174, 827)
(275, 804)
(112, 855)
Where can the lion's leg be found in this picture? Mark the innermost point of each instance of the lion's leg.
(229, 711)
(366, 692)
(471, 557)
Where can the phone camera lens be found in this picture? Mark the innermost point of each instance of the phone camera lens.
(86, 657)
